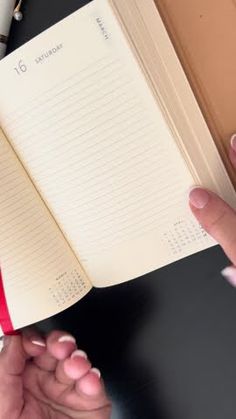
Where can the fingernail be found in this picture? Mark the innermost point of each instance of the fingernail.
(96, 371)
(229, 273)
(66, 338)
(233, 142)
(38, 342)
(78, 353)
(198, 197)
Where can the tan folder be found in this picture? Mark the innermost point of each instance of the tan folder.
(204, 35)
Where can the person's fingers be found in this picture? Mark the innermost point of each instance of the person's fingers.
(33, 344)
(72, 368)
(12, 356)
(90, 388)
(90, 384)
(216, 217)
(12, 364)
(88, 394)
(230, 274)
(59, 345)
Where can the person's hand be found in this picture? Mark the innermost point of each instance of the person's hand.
(49, 379)
(217, 218)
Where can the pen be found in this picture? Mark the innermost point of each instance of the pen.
(6, 15)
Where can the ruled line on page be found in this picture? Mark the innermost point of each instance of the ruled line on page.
(89, 248)
(117, 152)
(28, 230)
(59, 105)
(53, 91)
(12, 196)
(89, 195)
(107, 139)
(47, 257)
(43, 246)
(89, 148)
(74, 118)
(33, 249)
(122, 196)
(27, 283)
(96, 130)
(127, 220)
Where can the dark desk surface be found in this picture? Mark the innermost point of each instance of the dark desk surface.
(166, 343)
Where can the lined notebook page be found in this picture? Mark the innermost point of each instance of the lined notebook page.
(34, 256)
(98, 148)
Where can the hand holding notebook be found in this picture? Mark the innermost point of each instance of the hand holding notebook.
(97, 157)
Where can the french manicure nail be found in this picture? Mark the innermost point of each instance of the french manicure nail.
(96, 371)
(39, 343)
(198, 197)
(66, 338)
(229, 273)
(78, 353)
(233, 142)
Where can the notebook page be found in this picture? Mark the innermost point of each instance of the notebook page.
(98, 148)
(34, 255)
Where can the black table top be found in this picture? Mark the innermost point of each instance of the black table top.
(165, 342)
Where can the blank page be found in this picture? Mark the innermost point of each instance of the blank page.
(34, 256)
(98, 147)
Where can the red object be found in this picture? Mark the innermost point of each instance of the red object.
(5, 319)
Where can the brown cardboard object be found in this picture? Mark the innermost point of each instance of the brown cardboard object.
(204, 35)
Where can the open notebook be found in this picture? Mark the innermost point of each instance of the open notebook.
(101, 138)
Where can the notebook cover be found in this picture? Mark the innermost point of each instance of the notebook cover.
(204, 35)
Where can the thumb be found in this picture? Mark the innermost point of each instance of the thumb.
(216, 217)
(12, 363)
(13, 356)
